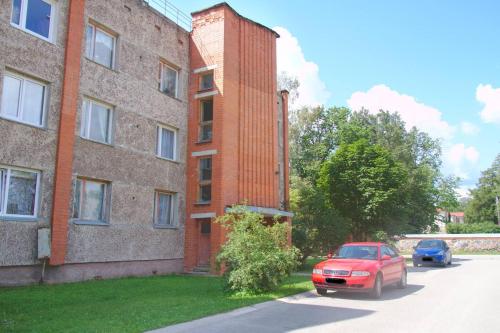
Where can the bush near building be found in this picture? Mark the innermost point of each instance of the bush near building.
(256, 256)
(473, 228)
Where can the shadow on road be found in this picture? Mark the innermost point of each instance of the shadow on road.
(430, 267)
(389, 293)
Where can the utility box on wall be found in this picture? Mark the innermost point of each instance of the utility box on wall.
(43, 243)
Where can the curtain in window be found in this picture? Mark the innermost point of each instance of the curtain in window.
(103, 49)
(22, 193)
(169, 81)
(16, 12)
(93, 201)
(164, 209)
(33, 102)
(10, 96)
(99, 123)
(167, 143)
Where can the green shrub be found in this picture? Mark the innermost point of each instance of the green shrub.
(473, 228)
(256, 256)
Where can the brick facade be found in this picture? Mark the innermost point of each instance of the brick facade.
(249, 147)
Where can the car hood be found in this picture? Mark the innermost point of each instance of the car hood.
(349, 264)
(427, 251)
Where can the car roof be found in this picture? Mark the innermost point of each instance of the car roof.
(364, 243)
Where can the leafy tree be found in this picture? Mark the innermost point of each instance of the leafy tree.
(317, 227)
(256, 256)
(482, 206)
(364, 182)
(446, 195)
(290, 83)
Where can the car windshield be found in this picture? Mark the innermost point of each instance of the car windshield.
(430, 243)
(357, 252)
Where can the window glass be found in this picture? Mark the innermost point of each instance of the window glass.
(89, 38)
(38, 17)
(33, 101)
(205, 169)
(96, 120)
(3, 182)
(206, 120)
(10, 96)
(23, 100)
(99, 121)
(164, 209)
(92, 201)
(169, 81)
(16, 12)
(207, 113)
(77, 198)
(207, 81)
(205, 193)
(22, 193)
(167, 143)
(103, 48)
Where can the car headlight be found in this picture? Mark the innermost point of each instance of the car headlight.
(317, 271)
(360, 273)
(440, 253)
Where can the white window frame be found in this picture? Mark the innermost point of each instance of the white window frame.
(90, 56)
(106, 202)
(4, 192)
(159, 142)
(22, 19)
(164, 64)
(173, 210)
(20, 99)
(85, 130)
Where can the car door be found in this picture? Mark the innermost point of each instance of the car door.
(387, 265)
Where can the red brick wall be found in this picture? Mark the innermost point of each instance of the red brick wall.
(66, 134)
(245, 125)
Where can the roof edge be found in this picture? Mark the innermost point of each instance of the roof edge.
(225, 4)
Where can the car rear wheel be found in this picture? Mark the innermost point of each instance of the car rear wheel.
(415, 264)
(403, 281)
(449, 262)
(377, 287)
(321, 291)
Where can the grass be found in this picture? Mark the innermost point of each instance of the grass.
(124, 305)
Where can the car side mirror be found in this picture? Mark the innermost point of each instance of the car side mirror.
(386, 257)
(414, 247)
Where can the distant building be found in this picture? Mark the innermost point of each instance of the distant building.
(124, 133)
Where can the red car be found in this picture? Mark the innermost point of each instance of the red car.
(361, 267)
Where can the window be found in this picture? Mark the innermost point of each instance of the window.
(34, 16)
(164, 209)
(23, 99)
(385, 250)
(168, 80)
(19, 192)
(207, 81)
(166, 144)
(96, 121)
(205, 191)
(90, 201)
(100, 46)
(206, 118)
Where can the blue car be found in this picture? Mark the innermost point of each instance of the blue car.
(431, 251)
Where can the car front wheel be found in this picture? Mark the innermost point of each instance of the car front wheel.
(377, 287)
(403, 281)
(321, 291)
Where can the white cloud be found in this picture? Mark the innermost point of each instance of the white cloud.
(463, 191)
(425, 118)
(490, 97)
(468, 128)
(460, 159)
(290, 59)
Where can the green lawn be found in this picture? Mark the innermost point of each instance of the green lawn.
(124, 305)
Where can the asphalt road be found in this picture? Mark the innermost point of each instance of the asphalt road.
(464, 297)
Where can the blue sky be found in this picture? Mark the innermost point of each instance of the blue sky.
(429, 57)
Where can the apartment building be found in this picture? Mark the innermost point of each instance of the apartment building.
(124, 132)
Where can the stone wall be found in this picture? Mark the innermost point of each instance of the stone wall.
(457, 242)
